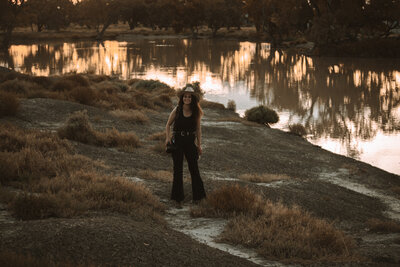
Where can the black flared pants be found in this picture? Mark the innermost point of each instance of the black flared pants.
(187, 148)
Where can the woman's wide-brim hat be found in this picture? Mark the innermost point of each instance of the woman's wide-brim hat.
(187, 89)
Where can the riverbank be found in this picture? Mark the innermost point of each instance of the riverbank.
(379, 48)
(350, 194)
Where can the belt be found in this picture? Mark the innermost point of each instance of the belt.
(184, 133)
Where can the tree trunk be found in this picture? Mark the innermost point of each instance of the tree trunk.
(100, 35)
(7, 37)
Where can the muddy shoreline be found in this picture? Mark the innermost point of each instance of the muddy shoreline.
(341, 190)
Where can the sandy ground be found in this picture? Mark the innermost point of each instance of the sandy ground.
(333, 187)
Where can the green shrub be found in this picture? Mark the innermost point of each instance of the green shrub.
(9, 104)
(261, 114)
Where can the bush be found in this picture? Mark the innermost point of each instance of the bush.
(9, 104)
(262, 115)
(297, 129)
(78, 128)
(231, 105)
(148, 85)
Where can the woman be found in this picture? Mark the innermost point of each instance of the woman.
(187, 137)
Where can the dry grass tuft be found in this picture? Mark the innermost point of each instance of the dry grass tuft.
(135, 116)
(289, 235)
(297, 129)
(16, 86)
(231, 105)
(78, 128)
(9, 104)
(27, 155)
(163, 176)
(160, 136)
(57, 183)
(228, 201)
(63, 85)
(83, 191)
(159, 147)
(83, 95)
(77, 79)
(212, 105)
(263, 178)
(376, 225)
(278, 232)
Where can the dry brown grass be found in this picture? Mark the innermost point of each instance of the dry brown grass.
(376, 225)
(297, 129)
(78, 128)
(228, 201)
(159, 147)
(27, 155)
(231, 105)
(277, 232)
(160, 136)
(84, 191)
(163, 176)
(212, 105)
(135, 116)
(263, 178)
(95, 90)
(9, 104)
(83, 95)
(55, 182)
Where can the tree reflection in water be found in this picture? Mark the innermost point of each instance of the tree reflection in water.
(346, 99)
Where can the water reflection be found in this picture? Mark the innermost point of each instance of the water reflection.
(345, 104)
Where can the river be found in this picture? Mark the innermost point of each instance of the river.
(350, 106)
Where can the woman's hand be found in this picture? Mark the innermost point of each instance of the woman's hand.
(199, 150)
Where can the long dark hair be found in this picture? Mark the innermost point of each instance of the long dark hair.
(197, 112)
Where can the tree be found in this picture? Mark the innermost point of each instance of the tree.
(215, 14)
(9, 12)
(52, 14)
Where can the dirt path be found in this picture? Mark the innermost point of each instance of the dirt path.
(330, 186)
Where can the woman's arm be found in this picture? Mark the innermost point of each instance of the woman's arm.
(198, 136)
(168, 126)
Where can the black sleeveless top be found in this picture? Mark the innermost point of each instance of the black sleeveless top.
(182, 123)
